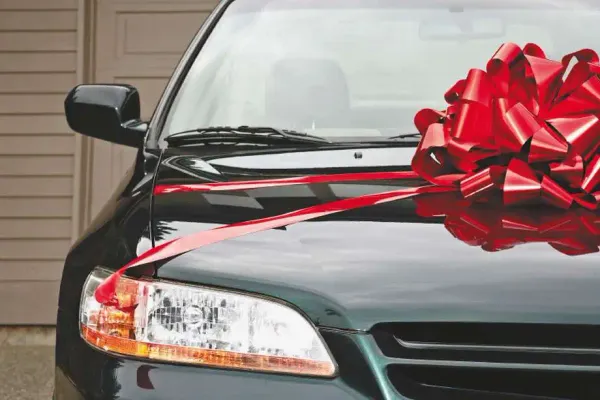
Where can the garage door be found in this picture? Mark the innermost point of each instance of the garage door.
(138, 42)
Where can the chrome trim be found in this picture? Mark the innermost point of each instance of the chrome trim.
(493, 365)
(467, 347)
(171, 162)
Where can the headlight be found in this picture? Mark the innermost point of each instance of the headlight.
(203, 326)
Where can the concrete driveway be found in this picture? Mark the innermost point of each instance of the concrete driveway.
(26, 363)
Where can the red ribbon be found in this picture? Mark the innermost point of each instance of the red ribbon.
(105, 292)
(299, 180)
(514, 134)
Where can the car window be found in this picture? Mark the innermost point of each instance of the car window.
(355, 70)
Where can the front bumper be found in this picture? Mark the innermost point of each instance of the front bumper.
(139, 381)
(84, 373)
(365, 373)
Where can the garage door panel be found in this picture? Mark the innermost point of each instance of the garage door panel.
(150, 91)
(171, 32)
(157, 31)
(139, 42)
(123, 158)
(153, 65)
(161, 7)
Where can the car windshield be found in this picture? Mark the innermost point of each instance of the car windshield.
(359, 69)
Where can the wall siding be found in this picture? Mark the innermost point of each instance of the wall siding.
(38, 46)
(41, 58)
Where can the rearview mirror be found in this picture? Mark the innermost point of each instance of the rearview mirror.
(462, 28)
(107, 112)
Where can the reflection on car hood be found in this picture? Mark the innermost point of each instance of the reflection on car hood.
(376, 264)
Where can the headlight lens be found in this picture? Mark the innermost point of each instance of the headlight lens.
(204, 326)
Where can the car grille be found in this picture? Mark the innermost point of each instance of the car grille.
(491, 361)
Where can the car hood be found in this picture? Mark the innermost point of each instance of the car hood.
(384, 263)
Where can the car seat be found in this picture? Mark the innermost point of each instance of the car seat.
(307, 93)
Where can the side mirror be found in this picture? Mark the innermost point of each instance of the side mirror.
(107, 112)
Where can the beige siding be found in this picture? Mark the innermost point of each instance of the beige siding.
(35, 21)
(13, 210)
(38, 44)
(38, 165)
(46, 47)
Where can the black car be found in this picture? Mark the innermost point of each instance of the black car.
(286, 105)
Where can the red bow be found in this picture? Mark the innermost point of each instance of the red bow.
(518, 130)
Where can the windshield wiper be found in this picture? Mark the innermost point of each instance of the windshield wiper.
(405, 136)
(254, 134)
